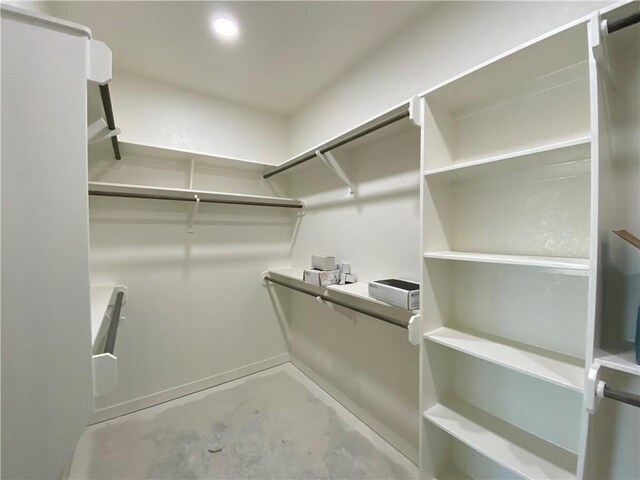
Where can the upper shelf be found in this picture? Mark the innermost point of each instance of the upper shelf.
(181, 194)
(554, 153)
(384, 119)
(143, 150)
(578, 266)
(544, 55)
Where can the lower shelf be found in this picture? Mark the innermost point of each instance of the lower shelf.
(620, 357)
(516, 450)
(543, 364)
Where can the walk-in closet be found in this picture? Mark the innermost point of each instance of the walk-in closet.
(313, 240)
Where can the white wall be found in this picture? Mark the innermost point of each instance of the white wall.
(451, 38)
(197, 313)
(151, 112)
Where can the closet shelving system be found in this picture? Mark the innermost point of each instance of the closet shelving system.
(189, 194)
(512, 231)
(514, 176)
(355, 292)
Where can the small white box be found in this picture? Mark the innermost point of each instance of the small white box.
(344, 267)
(401, 293)
(323, 262)
(321, 278)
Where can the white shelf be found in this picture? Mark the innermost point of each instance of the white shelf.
(542, 364)
(186, 194)
(148, 151)
(100, 301)
(568, 151)
(381, 117)
(519, 451)
(549, 53)
(358, 290)
(579, 266)
(621, 358)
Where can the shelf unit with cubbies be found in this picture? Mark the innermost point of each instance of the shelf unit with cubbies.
(507, 212)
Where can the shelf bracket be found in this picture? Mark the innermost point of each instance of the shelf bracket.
(192, 167)
(99, 130)
(415, 111)
(330, 161)
(193, 214)
(415, 332)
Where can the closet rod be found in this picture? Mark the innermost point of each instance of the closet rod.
(619, 395)
(101, 193)
(110, 344)
(623, 22)
(333, 146)
(379, 316)
(111, 123)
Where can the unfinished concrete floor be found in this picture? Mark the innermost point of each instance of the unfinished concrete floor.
(273, 424)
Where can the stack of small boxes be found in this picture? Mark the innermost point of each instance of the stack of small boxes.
(325, 271)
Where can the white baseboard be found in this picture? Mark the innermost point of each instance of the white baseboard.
(377, 426)
(188, 388)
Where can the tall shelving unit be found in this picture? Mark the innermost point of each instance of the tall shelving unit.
(508, 273)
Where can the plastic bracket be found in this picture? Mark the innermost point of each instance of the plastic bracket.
(414, 330)
(331, 163)
(193, 214)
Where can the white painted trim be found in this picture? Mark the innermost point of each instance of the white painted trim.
(163, 396)
(43, 20)
(376, 425)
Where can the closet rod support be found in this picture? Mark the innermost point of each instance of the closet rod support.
(340, 143)
(320, 297)
(108, 112)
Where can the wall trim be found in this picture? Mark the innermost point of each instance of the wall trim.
(376, 425)
(163, 396)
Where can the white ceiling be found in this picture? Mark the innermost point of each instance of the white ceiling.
(286, 52)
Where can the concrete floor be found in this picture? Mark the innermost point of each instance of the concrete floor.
(273, 424)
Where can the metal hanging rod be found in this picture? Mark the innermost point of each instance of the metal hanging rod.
(379, 316)
(256, 203)
(110, 344)
(623, 22)
(621, 396)
(111, 124)
(339, 143)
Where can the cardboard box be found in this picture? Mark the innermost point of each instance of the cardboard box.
(323, 262)
(401, 293)
(321, 278)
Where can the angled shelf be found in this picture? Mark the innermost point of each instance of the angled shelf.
(181, 194)
(518, 451)
(543, 364)
(620, 357)
(568, 151)
(578, 266)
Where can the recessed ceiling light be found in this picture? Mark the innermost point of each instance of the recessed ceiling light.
(224, 27)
